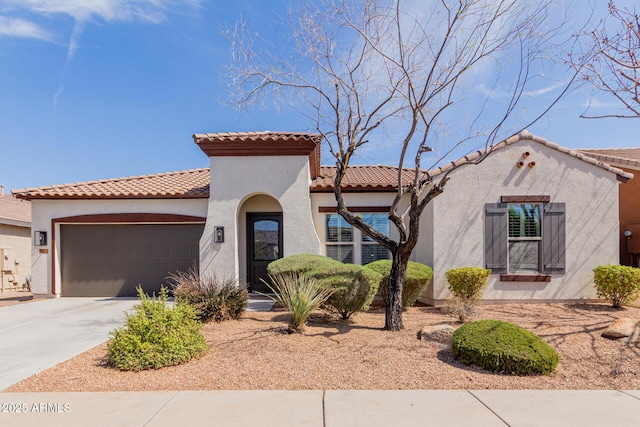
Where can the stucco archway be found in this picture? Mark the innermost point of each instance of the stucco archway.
(258, 209)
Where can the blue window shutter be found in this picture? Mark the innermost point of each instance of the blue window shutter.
(495, 237)
(553, 238)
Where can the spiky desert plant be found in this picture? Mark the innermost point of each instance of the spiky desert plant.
(301, 295)
(214, 297)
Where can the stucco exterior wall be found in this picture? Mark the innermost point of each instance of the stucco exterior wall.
(234, 180)
(16, 242)
(591, 197)
(44, 211)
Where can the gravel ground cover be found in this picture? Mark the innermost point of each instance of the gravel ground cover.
(255, 353)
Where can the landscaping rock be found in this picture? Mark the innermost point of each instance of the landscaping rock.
(621, 328)
(441, 334)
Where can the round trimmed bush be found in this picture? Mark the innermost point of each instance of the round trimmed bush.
(416, 280)
(354, 287)
(503, 347)
(299, 264)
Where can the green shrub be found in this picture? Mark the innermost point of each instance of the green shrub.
(354, 287)
(156, 335)
(466, 285)
(300, 264)
(503, 347)
(617, 283)
(301, 295)
(416, 280)
(214, 298)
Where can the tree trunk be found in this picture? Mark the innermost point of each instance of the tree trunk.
(393, 314)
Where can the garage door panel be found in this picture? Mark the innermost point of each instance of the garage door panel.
(112, 260)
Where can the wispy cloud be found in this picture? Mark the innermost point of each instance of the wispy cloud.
(153, 11)
(17, 19)
(596, 103)
(16, 27)
(499, 93)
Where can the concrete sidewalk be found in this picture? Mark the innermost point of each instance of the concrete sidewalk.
(368, 408)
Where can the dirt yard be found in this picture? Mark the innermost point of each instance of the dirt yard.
(255, 353)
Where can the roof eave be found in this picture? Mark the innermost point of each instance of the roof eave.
(15, 222)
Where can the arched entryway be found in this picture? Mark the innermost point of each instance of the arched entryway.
(263, 227)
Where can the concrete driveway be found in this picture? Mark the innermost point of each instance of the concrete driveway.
(41, 334)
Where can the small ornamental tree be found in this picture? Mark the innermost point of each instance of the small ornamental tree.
(412, 77)
(466, 285)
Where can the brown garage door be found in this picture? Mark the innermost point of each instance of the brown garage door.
(112, 260)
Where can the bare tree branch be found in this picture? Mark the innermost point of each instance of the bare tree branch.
(612, 62)
(370, 70)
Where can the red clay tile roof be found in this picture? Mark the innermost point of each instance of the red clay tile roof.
(622, 157)
(187, 184)
(14, 212)
(362, 178)
(265, 143)
(263, 136)
(194, 183)
(527, 136)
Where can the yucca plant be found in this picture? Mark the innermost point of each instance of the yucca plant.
(300, 295)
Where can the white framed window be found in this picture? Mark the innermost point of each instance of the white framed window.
(347, 244)
(525, 237)
(339, 239)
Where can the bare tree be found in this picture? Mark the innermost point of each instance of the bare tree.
(612, 64)
(426, 76)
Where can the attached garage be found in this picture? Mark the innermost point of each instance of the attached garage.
(111, 260)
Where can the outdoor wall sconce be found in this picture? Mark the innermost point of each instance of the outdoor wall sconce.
(40, 238)
(218, 234)
(520, 164)
(532, 164)
(627, 233)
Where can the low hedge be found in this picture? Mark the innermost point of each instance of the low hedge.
(416, 280)
(300, 264)
(354, 287)
(503, 347)
(617, 283)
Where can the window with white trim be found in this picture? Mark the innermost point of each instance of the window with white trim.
(347, 244)
(525, 238)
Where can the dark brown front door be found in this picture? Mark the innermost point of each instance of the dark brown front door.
(264, 244)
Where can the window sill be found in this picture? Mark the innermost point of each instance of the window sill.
(525, 277)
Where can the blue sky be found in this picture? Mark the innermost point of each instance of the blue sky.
(108, 88)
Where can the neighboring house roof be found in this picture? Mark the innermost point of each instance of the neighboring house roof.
(621, 157)
(186, 184)
(14, 212)
(361, 178)
(527, 136)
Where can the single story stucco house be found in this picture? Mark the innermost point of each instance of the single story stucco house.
(539, 215)
(15, 243)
